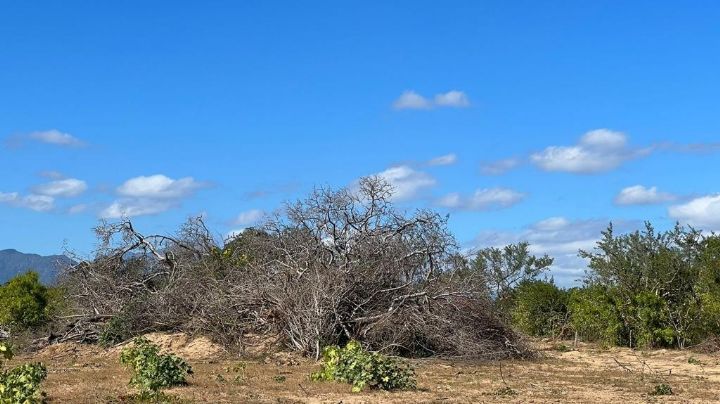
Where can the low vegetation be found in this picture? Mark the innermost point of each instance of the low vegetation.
(20, 384)
(360, 368)
(151, 370)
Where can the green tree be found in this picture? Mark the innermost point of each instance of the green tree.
(655, 279)
(25, 301)
(505, 268)
(540, 308)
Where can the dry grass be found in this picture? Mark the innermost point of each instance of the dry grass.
(83, 374)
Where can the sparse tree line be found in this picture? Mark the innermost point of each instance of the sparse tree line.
(346, 265)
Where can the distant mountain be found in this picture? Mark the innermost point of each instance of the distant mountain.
(13, 262)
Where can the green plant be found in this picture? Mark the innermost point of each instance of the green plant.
(20, 384)
(153, 371)
(662, 389)
(279, 379)
(361, 368)
(562, 348)
(25, 301)
(593, 314)
(506, 391)
(694, 361)
(114, 332)
(539, 308)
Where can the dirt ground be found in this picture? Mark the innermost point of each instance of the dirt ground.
(587, 373)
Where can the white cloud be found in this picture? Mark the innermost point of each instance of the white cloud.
(135, 207)
(39, 203)
(640, 195)
(62, 188)
(149, 195)
(406, 182)
(558, 237)
(233, 233)
(446, 160)
(598, 150)
(499, 166)
(482, 199)
(702, 212)
(158, 187)
(75, 209)
(453, 98)
(411, 100)
(53, 175)
(55, 137)
(249, 217)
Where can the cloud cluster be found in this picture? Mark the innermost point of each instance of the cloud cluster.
(597, 151)
(407, 182)
(411, 100)
(66, 188)
(149, 195)
(500, 166)
(482, 199)
(446, 160)
(43, 196)
(702, 212)
(52, 137)
(641, 195)
(249, 217)
(39, 203)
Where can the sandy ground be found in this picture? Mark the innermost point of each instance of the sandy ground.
(587, 373)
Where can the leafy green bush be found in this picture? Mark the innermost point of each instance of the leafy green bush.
(153, 371)
(20, 384)
(540, 308)
(593, 315)
(114, 332)
(25, 301)
(662, 389)
(361, 368)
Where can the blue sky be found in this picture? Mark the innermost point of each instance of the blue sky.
(523, 120)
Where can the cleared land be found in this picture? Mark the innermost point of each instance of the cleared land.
(89, 374)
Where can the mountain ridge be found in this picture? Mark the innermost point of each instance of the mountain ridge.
(14, 262)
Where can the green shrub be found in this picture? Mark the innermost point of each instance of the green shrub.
(153, 371)
(361, 368)
(593, 315)
(25, 301)
(20, 384)
(662, 389)
(114, 332)
(540, 308)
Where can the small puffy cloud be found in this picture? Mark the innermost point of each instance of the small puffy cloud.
(406, 182)
(62, 188)
(640, 195)
(149, 195)
(249, 217)
(39, 203)
(482, 199)
(411, 100)
(446, 160)
(453, 98)
(702, 212)
(158, 187)
(500, 166)
(55, 137)
(53, 175)
(597, 151)
(135, 207)
(75, 209)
